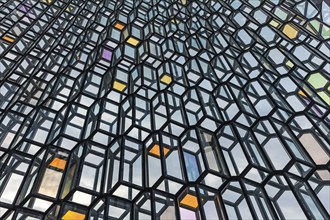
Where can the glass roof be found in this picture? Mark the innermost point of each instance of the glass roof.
(164, 109)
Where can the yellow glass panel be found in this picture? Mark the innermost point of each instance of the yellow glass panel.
(190, 201)
(274, 23)
(71, 215)
(119, 86)
(58, 163)
(290, 31)
(133, 41)
(9, 39)
(119, 26)
(301, 93)
(167, 79)
(289, 64)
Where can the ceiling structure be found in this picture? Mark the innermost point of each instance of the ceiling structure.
(164, 109)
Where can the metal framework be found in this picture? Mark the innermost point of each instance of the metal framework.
(164, 109)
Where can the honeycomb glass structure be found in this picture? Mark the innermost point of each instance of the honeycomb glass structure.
(164, 109)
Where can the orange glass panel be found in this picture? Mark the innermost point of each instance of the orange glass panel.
(9, 39)
(58, 163)
(155, 150)
(166, 150)
(190, 201)
(71, 215)
(119, 26)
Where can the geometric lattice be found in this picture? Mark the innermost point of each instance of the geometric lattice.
(164, 109)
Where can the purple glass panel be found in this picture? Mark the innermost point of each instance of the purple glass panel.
(107, 54)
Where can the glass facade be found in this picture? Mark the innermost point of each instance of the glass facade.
(164, 109)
